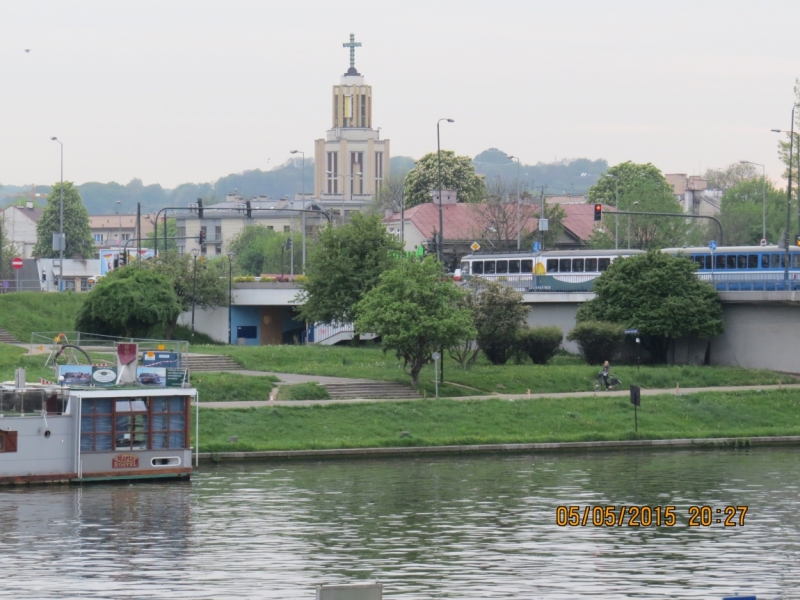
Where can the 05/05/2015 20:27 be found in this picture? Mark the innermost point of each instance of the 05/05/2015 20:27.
(647, 516)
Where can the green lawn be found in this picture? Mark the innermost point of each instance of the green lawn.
(446, 422)
(565, 374)
(26, 312)
(223, 387)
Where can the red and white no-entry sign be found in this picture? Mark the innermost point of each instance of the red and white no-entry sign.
(17, 263)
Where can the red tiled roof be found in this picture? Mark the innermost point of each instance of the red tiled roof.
(466, 221)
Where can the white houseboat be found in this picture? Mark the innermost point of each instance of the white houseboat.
(75, 434)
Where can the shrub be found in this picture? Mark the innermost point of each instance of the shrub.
(244, 279)
(308, 391)
(539, 343)
(598, 341)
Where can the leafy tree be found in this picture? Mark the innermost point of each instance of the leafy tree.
(741, 212)
(257, 250)
(539, 343)
(172, 232)
(416, 312)
(731, 176)
(659, 295)
(644, 195)
(498, 317)
(129, 302)
(345, 265)
(390, 195)
(457, 174)
(210, 290)
(623, 178)
(783, 146)
(76, 225)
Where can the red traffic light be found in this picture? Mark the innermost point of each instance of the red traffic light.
(598, 212)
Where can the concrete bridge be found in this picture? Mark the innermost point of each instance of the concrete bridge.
(762, 329)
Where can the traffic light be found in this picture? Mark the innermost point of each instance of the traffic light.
(248, 211)
(201, 239)
(122, 260)
(200, 208)
(598, 212)
(288, 243)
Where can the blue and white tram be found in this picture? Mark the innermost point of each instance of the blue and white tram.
(745, 268)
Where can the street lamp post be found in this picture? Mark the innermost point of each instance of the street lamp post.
(230, 292)
(518, 221)
(343, 178)
(61, 220)
(629, 226)
(616, 208)
(303, 188)
(439, 249)
(195, 252)
(789, 196)
(763, 196)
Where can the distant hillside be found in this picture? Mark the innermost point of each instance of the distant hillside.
(567, 176)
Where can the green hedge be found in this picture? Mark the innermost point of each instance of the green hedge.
(598, 341)
(539, 343)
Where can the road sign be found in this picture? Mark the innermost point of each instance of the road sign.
(17, 263)
(475, 246)
(631, 331)
(712, 245)
(763, 241)
(537, 246)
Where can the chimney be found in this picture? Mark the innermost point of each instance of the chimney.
(29, 204)
(448, 196)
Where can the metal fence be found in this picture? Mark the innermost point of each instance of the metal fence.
(103, 344)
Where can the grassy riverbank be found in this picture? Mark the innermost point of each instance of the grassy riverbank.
(447, 422)
(566, 373)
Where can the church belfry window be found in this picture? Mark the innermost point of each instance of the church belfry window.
(363, 110)
(333, 172)
(356, 166)
(378, 170)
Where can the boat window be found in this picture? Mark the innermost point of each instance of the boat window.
(169, 423)
(719, 261)
(488, 267)
(564, 265)
(774, 261)
(465, 268)
(731, 261)
(527, 266)
(552, 265)
(577, 265)
(502, 266)
(741, 261)
(8, 441)
(136, 405)
(752, 261)
(96, 424)
(591, 265)
(131, 432)
(602, 264)
(513, 266)
(477, 267)
(796, 261)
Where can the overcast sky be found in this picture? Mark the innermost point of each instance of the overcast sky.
(188, 91)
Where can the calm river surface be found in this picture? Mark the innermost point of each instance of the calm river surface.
(439, 527)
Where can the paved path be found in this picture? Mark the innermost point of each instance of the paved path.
(510, 397)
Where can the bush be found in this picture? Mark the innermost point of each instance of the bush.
(539, 343)
(598, 341)
(307, 391)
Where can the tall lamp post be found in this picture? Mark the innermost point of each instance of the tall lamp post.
(303, 188)
(518, 222)
(616, 208)
(789, 196)
(195, 252)
(61, 220)
(343, 194)
(763, 196)
(439, 249)
(230, 293)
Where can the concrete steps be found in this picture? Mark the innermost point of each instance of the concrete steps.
(211, 362)
(377, 389)
(7, 338)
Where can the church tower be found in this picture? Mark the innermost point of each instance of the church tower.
(351, 163)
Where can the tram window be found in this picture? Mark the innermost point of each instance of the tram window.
(774, 261)
(719, 261)
(488, 267)
(513, 266)
(764, 261)
(527, 266)
(709, 262)
(552, 265)
(752, 261)
(502, 266)
(700, 260)
(465, 268)
(564, 265)
(602, 264)
(577, 265)
(477, 267)
(731, 262)
(591, 265)
(796, 261)
(741, 261)
(783, 261)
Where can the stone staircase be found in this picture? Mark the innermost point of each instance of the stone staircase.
(7, 338)
(372, 390)
(211, 362)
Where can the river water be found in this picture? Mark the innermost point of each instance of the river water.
(432, 527)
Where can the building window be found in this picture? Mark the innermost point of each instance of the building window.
(356, 166)
(180, 231)
(219, 249)
(286, 229)
(378, 170)
(218, 233)
(363, 110)
(126, 236)
(333, 172)
(98, 237)
(270, 227)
